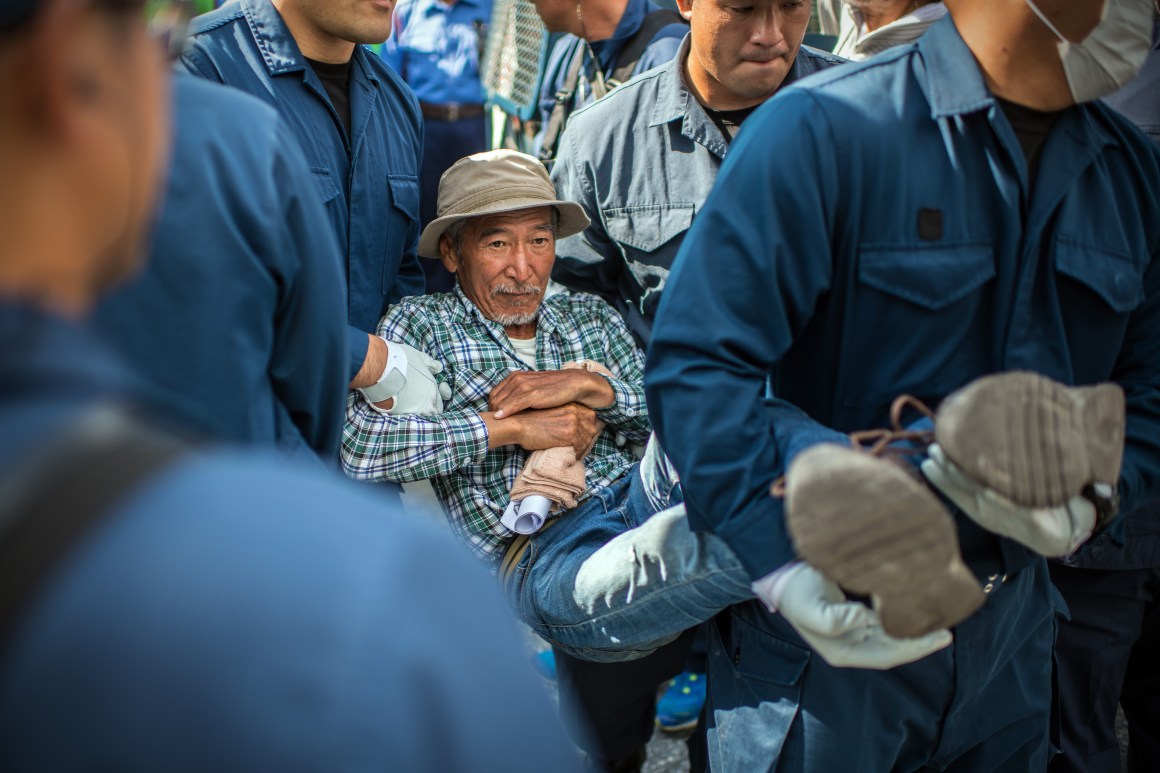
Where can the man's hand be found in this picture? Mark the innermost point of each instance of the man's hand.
(524, 390)
(571, 425)
(845, 633)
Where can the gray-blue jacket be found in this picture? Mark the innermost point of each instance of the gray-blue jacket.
(642, 162)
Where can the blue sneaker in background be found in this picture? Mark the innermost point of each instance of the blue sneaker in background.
(680, 707)
(544, 664)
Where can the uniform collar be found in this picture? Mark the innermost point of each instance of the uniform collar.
(675, 102)
(279, 50)
(954, 83)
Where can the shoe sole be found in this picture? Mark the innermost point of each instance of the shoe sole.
(677, 728)
(1031, 439)
(876, 531)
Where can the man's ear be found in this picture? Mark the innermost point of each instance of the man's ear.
(685, 8)
(447, 254)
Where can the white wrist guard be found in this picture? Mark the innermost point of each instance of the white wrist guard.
(392, 381)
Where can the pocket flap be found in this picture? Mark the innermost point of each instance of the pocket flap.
(648, 227)
(405, 194)
(767, 657)
(1115, 278)
(326, 185)
(932, 276)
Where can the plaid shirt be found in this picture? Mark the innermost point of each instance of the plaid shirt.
(450, 448)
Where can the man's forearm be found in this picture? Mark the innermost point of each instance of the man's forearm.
(373, 365)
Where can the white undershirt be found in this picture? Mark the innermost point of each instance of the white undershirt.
(525, 350)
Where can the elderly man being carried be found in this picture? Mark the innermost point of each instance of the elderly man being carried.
(613, 572)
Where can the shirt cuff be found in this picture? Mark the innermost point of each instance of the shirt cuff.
(627, 401)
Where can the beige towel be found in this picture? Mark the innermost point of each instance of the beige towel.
(556, 473)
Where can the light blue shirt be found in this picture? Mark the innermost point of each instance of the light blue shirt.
(642, 162)
(435, 47)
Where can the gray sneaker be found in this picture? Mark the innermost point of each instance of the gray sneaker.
(878, 531)
(1035, 441)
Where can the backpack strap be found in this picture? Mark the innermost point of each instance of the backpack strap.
(633, 50)
(59, 493)
(565, 101)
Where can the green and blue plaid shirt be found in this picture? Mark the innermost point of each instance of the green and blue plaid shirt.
(451, 448)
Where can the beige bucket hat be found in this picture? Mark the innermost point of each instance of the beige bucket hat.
(493, 182)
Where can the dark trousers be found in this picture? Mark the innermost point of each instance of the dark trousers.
(609, 709)
(444, 143)
(1108, 653)
(981, 704)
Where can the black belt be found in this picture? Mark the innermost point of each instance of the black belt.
(452, 111)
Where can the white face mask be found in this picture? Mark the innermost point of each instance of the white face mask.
(1111, 54)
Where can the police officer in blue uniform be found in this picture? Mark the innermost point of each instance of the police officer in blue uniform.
(360, 128)
(437, 48)
(237, 323)
(207, 610)
(951, 208)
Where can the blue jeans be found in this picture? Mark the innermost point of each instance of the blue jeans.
(621, 574)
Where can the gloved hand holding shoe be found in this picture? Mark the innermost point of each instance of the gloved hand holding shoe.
(1049, 531)
(846, 634)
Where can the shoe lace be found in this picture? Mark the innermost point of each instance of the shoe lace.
(883, 442)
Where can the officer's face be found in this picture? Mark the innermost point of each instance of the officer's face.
(504, 263)
(366, 22)
(741, 50)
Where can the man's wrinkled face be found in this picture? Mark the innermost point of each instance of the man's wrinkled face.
(741, 50)
(365, 22)
(503, 263)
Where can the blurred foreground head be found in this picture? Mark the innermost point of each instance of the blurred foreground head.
(83, 139)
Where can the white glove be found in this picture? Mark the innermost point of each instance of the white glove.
(846, 634)
(420, 393)
(1049, 531)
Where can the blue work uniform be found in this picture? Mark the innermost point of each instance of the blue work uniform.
(874, 232)
(662, 48)
(229, 613)
(237, 322)
(369, 180)
(642, 162)
(437, 47)
(1106, 650)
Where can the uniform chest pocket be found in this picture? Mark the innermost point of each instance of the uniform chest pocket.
(1097, 291)
(404, 195)
(932, 277)
(1117, 280)
(647, 227)
(914, 322)
(648, 237)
